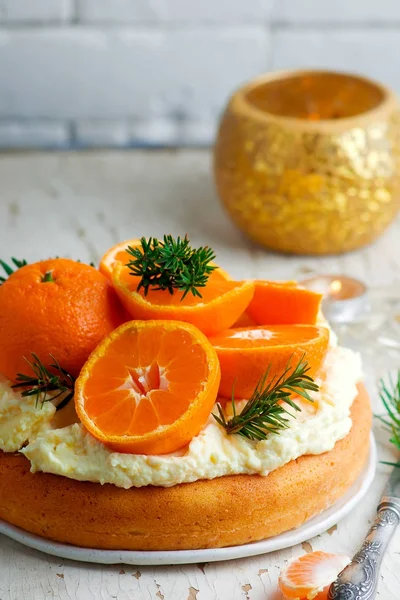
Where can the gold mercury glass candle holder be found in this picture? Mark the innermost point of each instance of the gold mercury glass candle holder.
(309, 162)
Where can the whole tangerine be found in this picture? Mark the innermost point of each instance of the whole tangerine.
(56, 307)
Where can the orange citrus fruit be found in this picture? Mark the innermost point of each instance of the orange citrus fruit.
(149, 387)
(244, 320)
(311, 575)
(220, 273)
(222, 301)
(56, 306)
(246, 353)
(283, 303)
(118, 255)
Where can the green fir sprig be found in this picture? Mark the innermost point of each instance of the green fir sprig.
(9, 270)
(47, 384)
(171, 264)
(390, 395)
(266, 411)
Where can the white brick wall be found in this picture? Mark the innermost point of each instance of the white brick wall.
(34, 133)
(348, 12)
(101, 132)
(31, 11)
(192, 12)
(85, 72)
(158, 72)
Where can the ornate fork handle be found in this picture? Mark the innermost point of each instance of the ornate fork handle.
(359, 580)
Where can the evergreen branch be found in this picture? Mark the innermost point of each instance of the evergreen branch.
(390, 395)
(171, 264)
(45, 382)
(265, 412)
(16, 264)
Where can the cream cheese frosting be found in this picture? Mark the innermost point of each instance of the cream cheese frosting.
(72, 452)
(20, 418)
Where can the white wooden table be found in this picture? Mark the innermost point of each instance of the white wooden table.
(78, 205)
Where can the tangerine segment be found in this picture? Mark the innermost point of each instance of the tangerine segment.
(283, 303)
(222, 301)
(246, 353)
(245, 320)
(308, 575)
(118, 255)
(149, 387)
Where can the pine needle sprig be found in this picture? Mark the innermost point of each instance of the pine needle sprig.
(171, 264)
(45, 382)
(390, 396)
(265, 412)
(9, 270)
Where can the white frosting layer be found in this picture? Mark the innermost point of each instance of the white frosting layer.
(20, 418)
(74, 453)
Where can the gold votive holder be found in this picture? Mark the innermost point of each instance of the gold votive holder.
(309, 162)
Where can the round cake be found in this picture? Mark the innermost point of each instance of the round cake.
(178, 409)
(224, 511)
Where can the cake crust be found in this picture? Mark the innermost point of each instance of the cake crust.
(230, 510)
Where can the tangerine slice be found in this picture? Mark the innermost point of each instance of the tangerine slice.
(219, 274)
(149, 387)
(222, 301)
(118, 255)
(283, 303)
(311, 575)
(245, 353)
(245, 320)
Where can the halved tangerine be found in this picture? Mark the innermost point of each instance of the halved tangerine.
(245, 354)
(149, 387)
(310, 576)
(283, 303)
(118, 255)
(222, 301)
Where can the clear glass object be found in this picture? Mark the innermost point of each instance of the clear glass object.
(375, 334)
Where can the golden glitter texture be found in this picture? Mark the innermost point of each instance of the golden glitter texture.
(309, 162)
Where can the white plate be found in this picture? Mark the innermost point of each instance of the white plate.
(315, 526)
